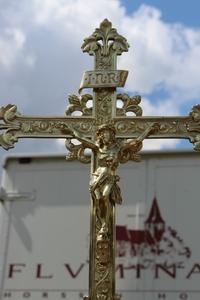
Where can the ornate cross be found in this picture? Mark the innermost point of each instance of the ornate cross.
(112, 136)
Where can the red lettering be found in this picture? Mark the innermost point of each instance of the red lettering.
(120, 267)
(39, 273)
(138, 270)
(13, 269)
(195, 269)
(166, 269)
(71, 272)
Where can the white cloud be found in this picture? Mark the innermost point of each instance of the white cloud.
(162, 54)
(161, 108)
(160, 144)
(11, 43)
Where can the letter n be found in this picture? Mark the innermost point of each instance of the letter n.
(166, 270)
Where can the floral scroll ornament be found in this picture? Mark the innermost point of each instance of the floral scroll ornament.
(78, 104)
(8, 114)
(105, 39)
(130, 104)
(195, 127)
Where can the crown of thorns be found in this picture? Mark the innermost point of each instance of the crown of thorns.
(106, 127)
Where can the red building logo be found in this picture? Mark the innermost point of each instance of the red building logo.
(156, 240)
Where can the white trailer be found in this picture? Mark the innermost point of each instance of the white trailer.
(44, 228)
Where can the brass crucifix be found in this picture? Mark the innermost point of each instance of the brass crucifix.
(112, 136)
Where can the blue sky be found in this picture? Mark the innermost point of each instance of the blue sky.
(186, 12)
(41, 61)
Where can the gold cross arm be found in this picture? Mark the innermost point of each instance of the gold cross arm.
(185, 127)
(15, 126)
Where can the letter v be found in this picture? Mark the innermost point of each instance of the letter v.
(71, 272)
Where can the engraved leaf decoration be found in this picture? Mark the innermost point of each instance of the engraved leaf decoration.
(120, 44)
(105, 38)
(90, 45)
(8, 112)
(8, 115)
(130, 104)
(7, 140)
(78, 103)
(193, 127)
(195, 112)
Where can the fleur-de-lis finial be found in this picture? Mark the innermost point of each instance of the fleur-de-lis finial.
(105, 39)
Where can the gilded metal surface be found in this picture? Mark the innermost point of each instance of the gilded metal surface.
(103, 78)
(15, 126)
(79, 103)
(114, 134)
(105, 193)
(106, 41)
(130, 104)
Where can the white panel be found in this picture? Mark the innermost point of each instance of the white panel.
(48, 238)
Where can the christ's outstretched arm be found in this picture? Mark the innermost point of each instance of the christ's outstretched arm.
(89, 143)
(136, 144)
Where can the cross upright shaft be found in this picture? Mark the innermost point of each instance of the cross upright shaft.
(105, 44)
(106, 130)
